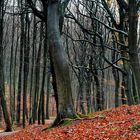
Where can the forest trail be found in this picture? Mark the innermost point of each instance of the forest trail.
(2, 133)
(7, 133)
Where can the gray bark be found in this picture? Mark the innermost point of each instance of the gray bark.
(61, 68)
(133, 44)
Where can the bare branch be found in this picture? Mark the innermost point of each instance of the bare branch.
(36, 12)
(123, 4)
(109, 13)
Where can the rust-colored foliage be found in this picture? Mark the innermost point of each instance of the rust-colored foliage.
(115, 124)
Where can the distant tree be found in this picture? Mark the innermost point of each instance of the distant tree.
(2, 83)
(26, 65)
(128, 42)
(20, 74)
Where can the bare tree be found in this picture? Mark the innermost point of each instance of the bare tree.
(2, 88)
(54, 22)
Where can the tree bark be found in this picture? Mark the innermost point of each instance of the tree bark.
(2, 89)
(133, 44)
(61, 68)
(26, 69)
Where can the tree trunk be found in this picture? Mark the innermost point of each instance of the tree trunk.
(88, 93)
(15, 76)
(20, 70)
(44, 77)
(37, 79)
(41, 99)
(48, 96)
(2, 91)
(26, 69)
(12, 105)
(133, 44)
(98, 92)
(32, 69)
(123, 95)
(61, 68)
(81, 93)
(127, 79)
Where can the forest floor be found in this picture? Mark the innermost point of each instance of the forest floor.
(122, 123)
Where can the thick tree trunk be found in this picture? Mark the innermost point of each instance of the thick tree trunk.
(61, 68)
(133, 44)
(127, 79)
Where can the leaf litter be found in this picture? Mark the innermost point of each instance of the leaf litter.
(121, 123)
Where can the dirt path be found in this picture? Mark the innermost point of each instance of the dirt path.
(7, 133)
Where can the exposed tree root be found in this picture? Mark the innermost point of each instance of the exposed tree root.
(61, 121)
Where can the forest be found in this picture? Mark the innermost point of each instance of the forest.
(64, 60)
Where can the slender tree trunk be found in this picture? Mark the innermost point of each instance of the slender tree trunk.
(1, 113)
(26, 70)
(20, 71)
(12, 105)
(81, 93)
(98, 93)
(2, 88)
(41, 98)
(32, 69)
(102, 90)
(48, 95)
(15, 76)
(89, 86)
(88, 93)
(44, 77)
(2, 93)
(37, 78)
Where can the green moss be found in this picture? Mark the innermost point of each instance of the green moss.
(80, 115)
(62, 123)
(66, 122)
(135, 127)
(47, 128)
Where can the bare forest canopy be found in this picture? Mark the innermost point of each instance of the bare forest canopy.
(60, 57)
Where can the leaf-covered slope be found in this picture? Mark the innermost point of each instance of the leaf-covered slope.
(122, 123)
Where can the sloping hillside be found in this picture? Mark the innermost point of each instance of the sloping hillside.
(122, 123)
